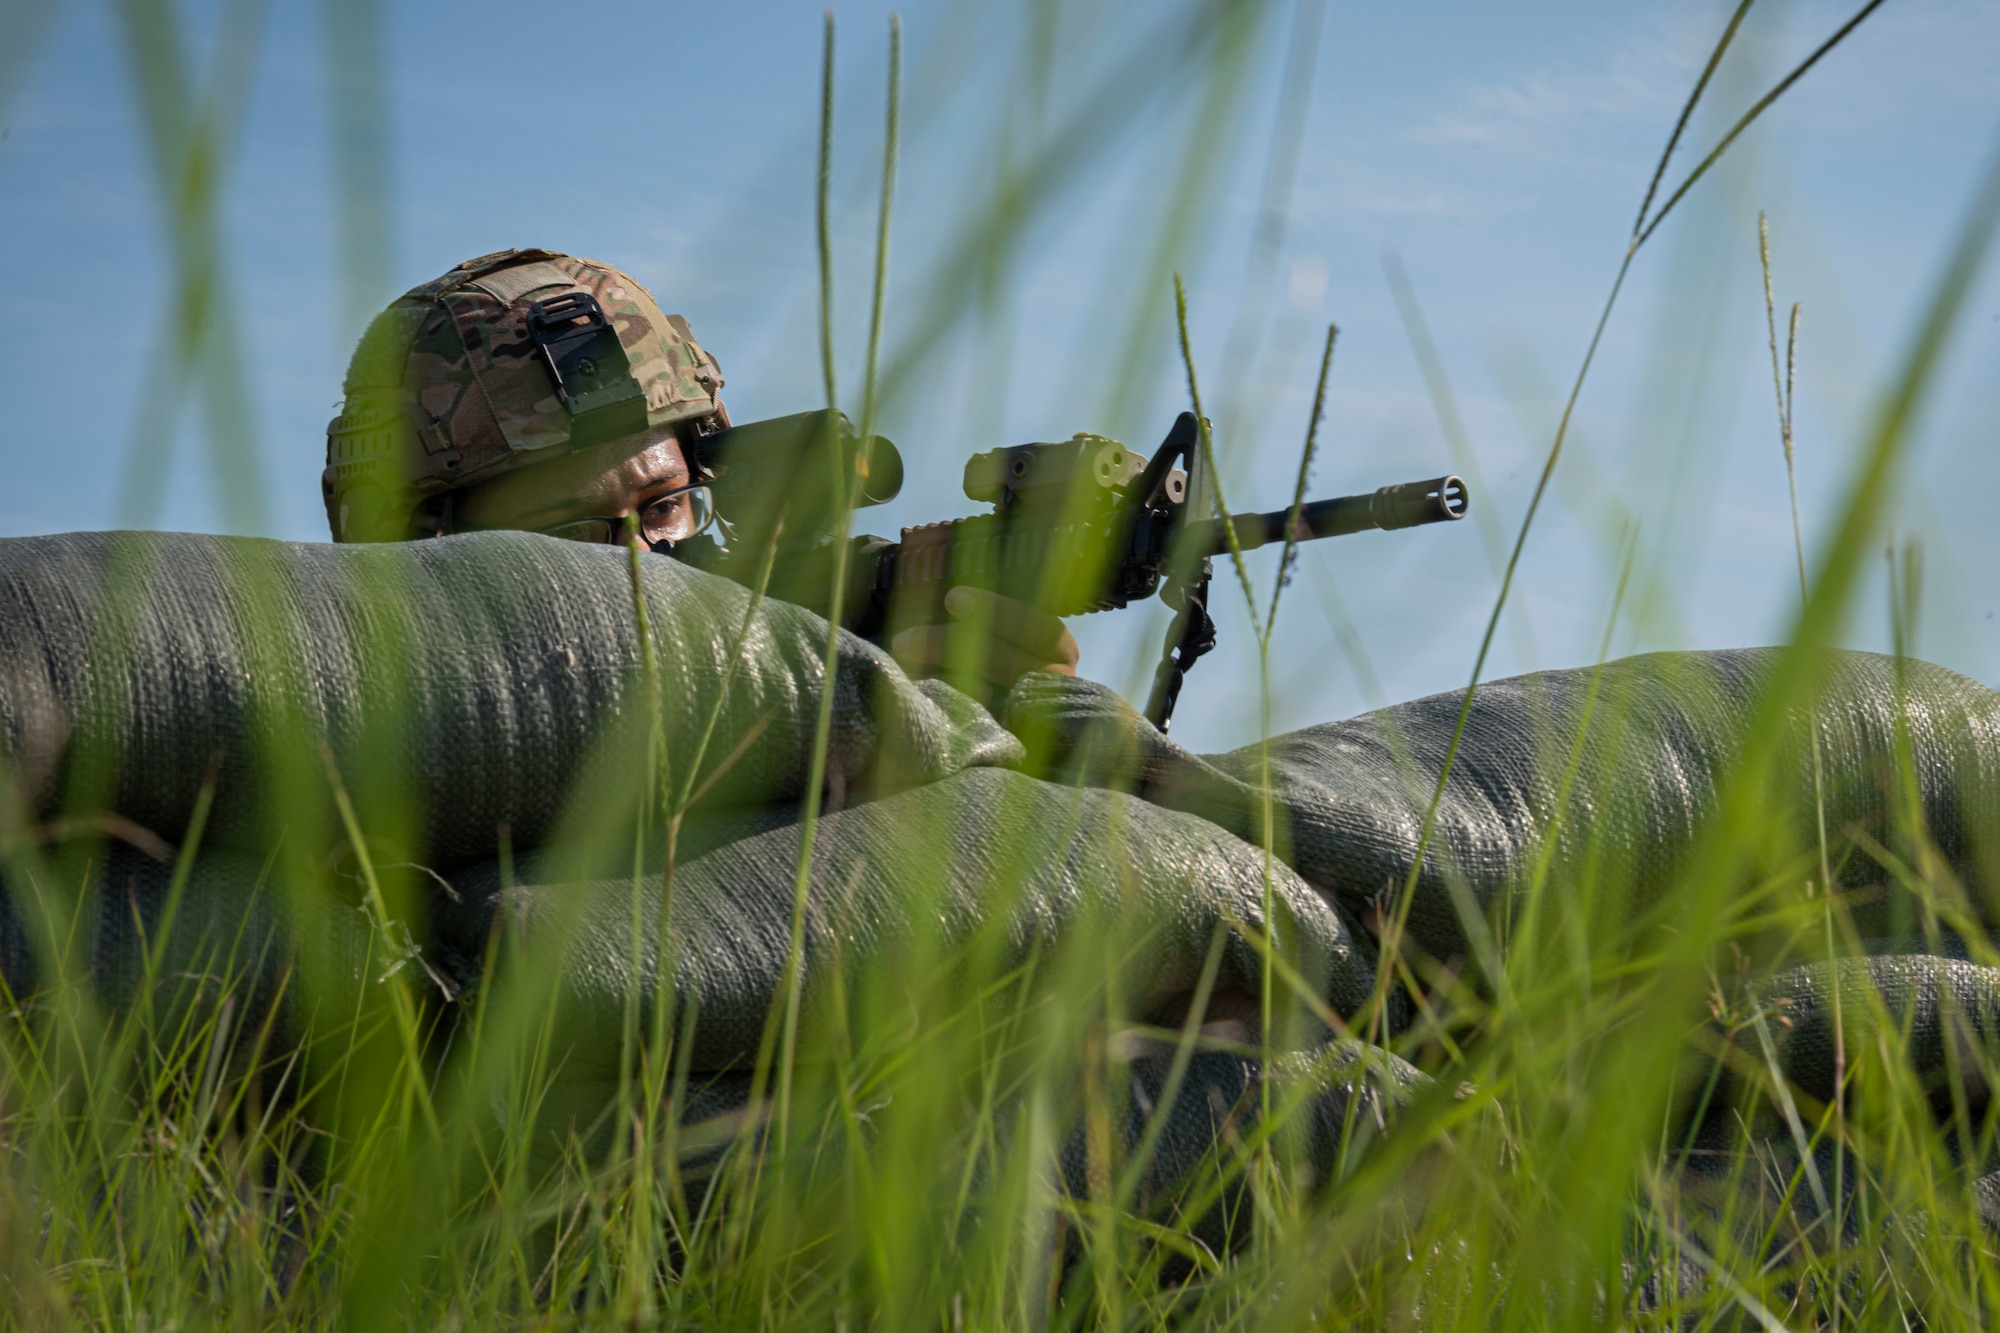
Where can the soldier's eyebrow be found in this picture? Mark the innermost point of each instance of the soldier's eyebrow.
(665, 479)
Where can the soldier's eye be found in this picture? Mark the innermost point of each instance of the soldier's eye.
(677, 515)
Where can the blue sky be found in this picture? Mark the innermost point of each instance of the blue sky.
(1499, 151)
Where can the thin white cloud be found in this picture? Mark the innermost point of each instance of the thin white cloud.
(1408, 199)
(1917, 55)
(1638, 80)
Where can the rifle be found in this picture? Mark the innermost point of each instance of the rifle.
(1080, 525)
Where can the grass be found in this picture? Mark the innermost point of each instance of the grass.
(937, 1140)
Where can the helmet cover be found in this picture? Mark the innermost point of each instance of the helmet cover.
(508, 359)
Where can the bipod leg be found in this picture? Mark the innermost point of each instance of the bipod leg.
(1189, 638)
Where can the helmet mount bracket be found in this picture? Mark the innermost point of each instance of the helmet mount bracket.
(592, 374)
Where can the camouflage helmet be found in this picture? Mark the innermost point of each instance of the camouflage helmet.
(509, 359)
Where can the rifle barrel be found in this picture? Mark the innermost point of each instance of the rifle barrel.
(1438, 500)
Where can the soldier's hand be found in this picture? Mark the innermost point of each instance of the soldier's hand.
(990, 643)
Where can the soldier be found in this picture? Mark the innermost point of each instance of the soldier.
(532, 390)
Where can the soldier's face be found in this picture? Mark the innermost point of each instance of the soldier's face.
(610, 481)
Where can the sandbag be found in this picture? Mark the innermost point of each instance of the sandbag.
(974, 874)
(237, 954)
(1660, 733)
(472, 675)
(1745, 1171)
(1943, 1014)
(921, 900)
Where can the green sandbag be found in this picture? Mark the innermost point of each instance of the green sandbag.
(1660, 735)
(1746, 1168)
(919, 903)
(1941, 1015)
(974, 875)
(473, 674)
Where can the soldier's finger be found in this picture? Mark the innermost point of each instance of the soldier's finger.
(1022, 623)
(964, 649)
(1003, 663)
(921, 646)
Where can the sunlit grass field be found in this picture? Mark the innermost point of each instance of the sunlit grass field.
(939, 1140)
